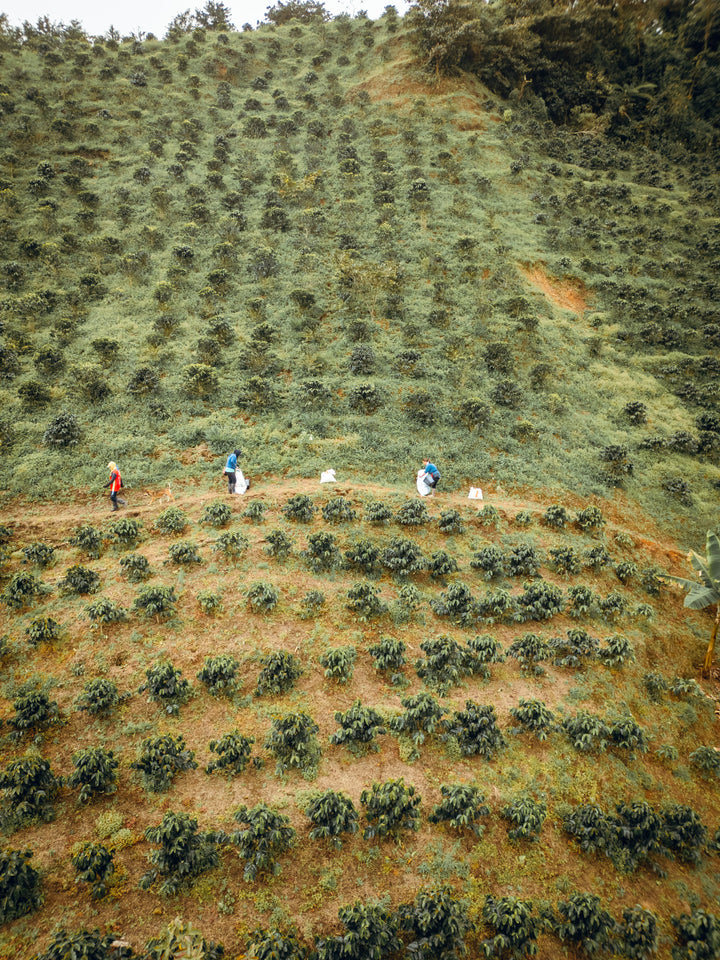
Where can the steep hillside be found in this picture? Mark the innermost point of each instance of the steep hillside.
(292, 239)
(512, 616)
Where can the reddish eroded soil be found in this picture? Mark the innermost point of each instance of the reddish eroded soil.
(568, 294)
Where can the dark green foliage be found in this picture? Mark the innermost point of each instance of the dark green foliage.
(339, 664)
(524, 518)
(125, 532)
(219, 674)
(231, 545)
(412, 513)
(409, 599)
(105, 611)
(540, 601)
(556, 516)
(370, 934)
(338, 510)
(166, 685)
(587, 732)
(389, 656)
(79, 579)
(489, 516)
(280, 670)
(650, 579)
(617, 464)
(322, 553)
(365, 555)
(523, 561)
(617, 651)
(210, 603)
(461, 807)
(593, 830)
(94, 773)
(597, 557)
(403, 557)
(264, 835)
(216, 514)
(156, 601)
(34, 711)
(275, 945)
(441, 565)
(637, 828)
(378, 513)
(638, 935)
(183, 853)
(457, 604)
(450, 522)
(534, 716)
(590, 518)
(85, 944)
(530, 651)
(135, 567)
(364, 601)
(706, 761)
(422, 717)
(332, 814)
(626, 734)
(20, 885)
(30, 789)
(697, 936)
(299, 509)
(22, 589)
(88, 539)
(40, 554)
(576, 650)
(279, 544)
(625, 570)
(476, 731)
(160, 759)
(42, 630)
(485, 649)
(682, 833)
(172, 520)
(184, 553)
(358, 728)
(583, 922)
(293, 743)
(437, 924)
(255, 511)
(99, 697)
(390, 808)
(490, 560)
(262, 597)
(62, 431)
(498, 607)
(233, 753)
(528, 815)
(517, 928)
(311, 604)
(581, 600)
(564, 560)
(94, 866)
(445, 663)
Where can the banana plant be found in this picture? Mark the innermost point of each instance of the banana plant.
(701, 595)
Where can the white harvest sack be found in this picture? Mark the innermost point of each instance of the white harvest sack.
(327, 476)
(475, 493)
(422, 488)
(241, 484)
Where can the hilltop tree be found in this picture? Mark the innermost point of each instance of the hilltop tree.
(308, 11)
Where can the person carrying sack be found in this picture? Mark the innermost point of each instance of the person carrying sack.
(230, 468)
(115, 483)
(428, 478)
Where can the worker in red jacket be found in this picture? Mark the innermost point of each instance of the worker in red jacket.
(115, 483)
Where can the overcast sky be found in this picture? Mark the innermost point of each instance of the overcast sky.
(128, 16)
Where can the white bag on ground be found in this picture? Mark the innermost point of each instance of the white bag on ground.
(422, 488)
(241, 484)
(327, 476)
(475, 493)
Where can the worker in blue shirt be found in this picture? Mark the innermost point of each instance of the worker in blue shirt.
(230, 468)
(431, 475)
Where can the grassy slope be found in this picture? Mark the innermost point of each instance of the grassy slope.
(315, 881)
(598, 244)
